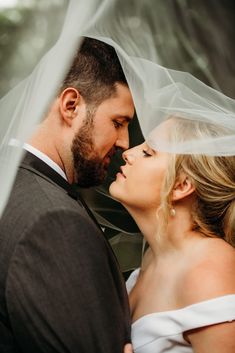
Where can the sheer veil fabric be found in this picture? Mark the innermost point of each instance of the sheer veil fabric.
(158, 92)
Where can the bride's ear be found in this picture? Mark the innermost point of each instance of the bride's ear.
(182, 188)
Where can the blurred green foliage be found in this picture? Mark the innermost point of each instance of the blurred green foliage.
(27, 31)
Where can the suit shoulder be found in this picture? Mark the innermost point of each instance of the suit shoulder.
(34, 194)
(34, 199)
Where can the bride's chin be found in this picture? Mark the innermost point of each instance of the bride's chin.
(113, 190)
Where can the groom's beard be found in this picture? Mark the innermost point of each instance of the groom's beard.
(90, 169)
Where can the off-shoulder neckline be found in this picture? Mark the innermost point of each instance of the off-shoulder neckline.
(176, 311)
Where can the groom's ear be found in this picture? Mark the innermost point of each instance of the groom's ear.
(183, 187)
(70, 103)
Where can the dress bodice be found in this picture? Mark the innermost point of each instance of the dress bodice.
(162, 332)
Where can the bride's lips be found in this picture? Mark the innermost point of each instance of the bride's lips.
(121, 173)
(121, 168)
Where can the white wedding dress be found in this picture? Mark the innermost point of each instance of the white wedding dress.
(162, 332)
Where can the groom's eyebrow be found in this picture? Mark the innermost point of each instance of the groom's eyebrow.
(125, 117)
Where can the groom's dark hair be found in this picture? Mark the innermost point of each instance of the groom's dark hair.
(95, 71)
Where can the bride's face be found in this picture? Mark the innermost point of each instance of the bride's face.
(139, 183)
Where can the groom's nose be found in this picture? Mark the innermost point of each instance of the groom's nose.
(123, 139)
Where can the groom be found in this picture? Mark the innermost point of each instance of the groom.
(61, 289)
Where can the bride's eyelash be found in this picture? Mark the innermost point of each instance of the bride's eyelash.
(146, 154)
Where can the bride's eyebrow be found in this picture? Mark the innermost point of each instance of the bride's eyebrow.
(154, 152)
(146, 146)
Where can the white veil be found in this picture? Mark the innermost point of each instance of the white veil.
(26, 104)
(132, 27)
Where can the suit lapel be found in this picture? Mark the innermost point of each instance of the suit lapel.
(39, 167)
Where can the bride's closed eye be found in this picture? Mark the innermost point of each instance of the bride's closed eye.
(146, 154)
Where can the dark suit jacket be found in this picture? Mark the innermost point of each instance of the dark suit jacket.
(61, 289)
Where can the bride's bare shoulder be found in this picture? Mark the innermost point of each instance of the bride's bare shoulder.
(210, 275)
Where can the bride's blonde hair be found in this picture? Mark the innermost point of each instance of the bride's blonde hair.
(213, 211)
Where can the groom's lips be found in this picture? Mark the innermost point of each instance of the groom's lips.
(107, 161)
(107, 158)
(110, 154)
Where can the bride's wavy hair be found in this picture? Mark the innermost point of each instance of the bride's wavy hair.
(213, 210)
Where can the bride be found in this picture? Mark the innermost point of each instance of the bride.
(182, 298)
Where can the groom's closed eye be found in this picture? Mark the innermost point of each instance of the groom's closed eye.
(121, 121)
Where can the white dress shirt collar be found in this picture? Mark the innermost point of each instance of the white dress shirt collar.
(44, 158)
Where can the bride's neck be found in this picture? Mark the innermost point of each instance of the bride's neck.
(170, 238)
(146, 222)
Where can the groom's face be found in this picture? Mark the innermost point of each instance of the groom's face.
(102, 132)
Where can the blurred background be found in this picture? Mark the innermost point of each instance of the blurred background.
(196, 36)
(28, 28)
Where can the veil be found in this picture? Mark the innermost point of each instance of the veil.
(133, 28)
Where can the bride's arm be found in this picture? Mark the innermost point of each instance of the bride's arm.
(216, 338)
(215, 278)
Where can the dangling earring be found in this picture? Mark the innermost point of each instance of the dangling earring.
(172, 212)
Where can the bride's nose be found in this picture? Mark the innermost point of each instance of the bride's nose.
(128, 156)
